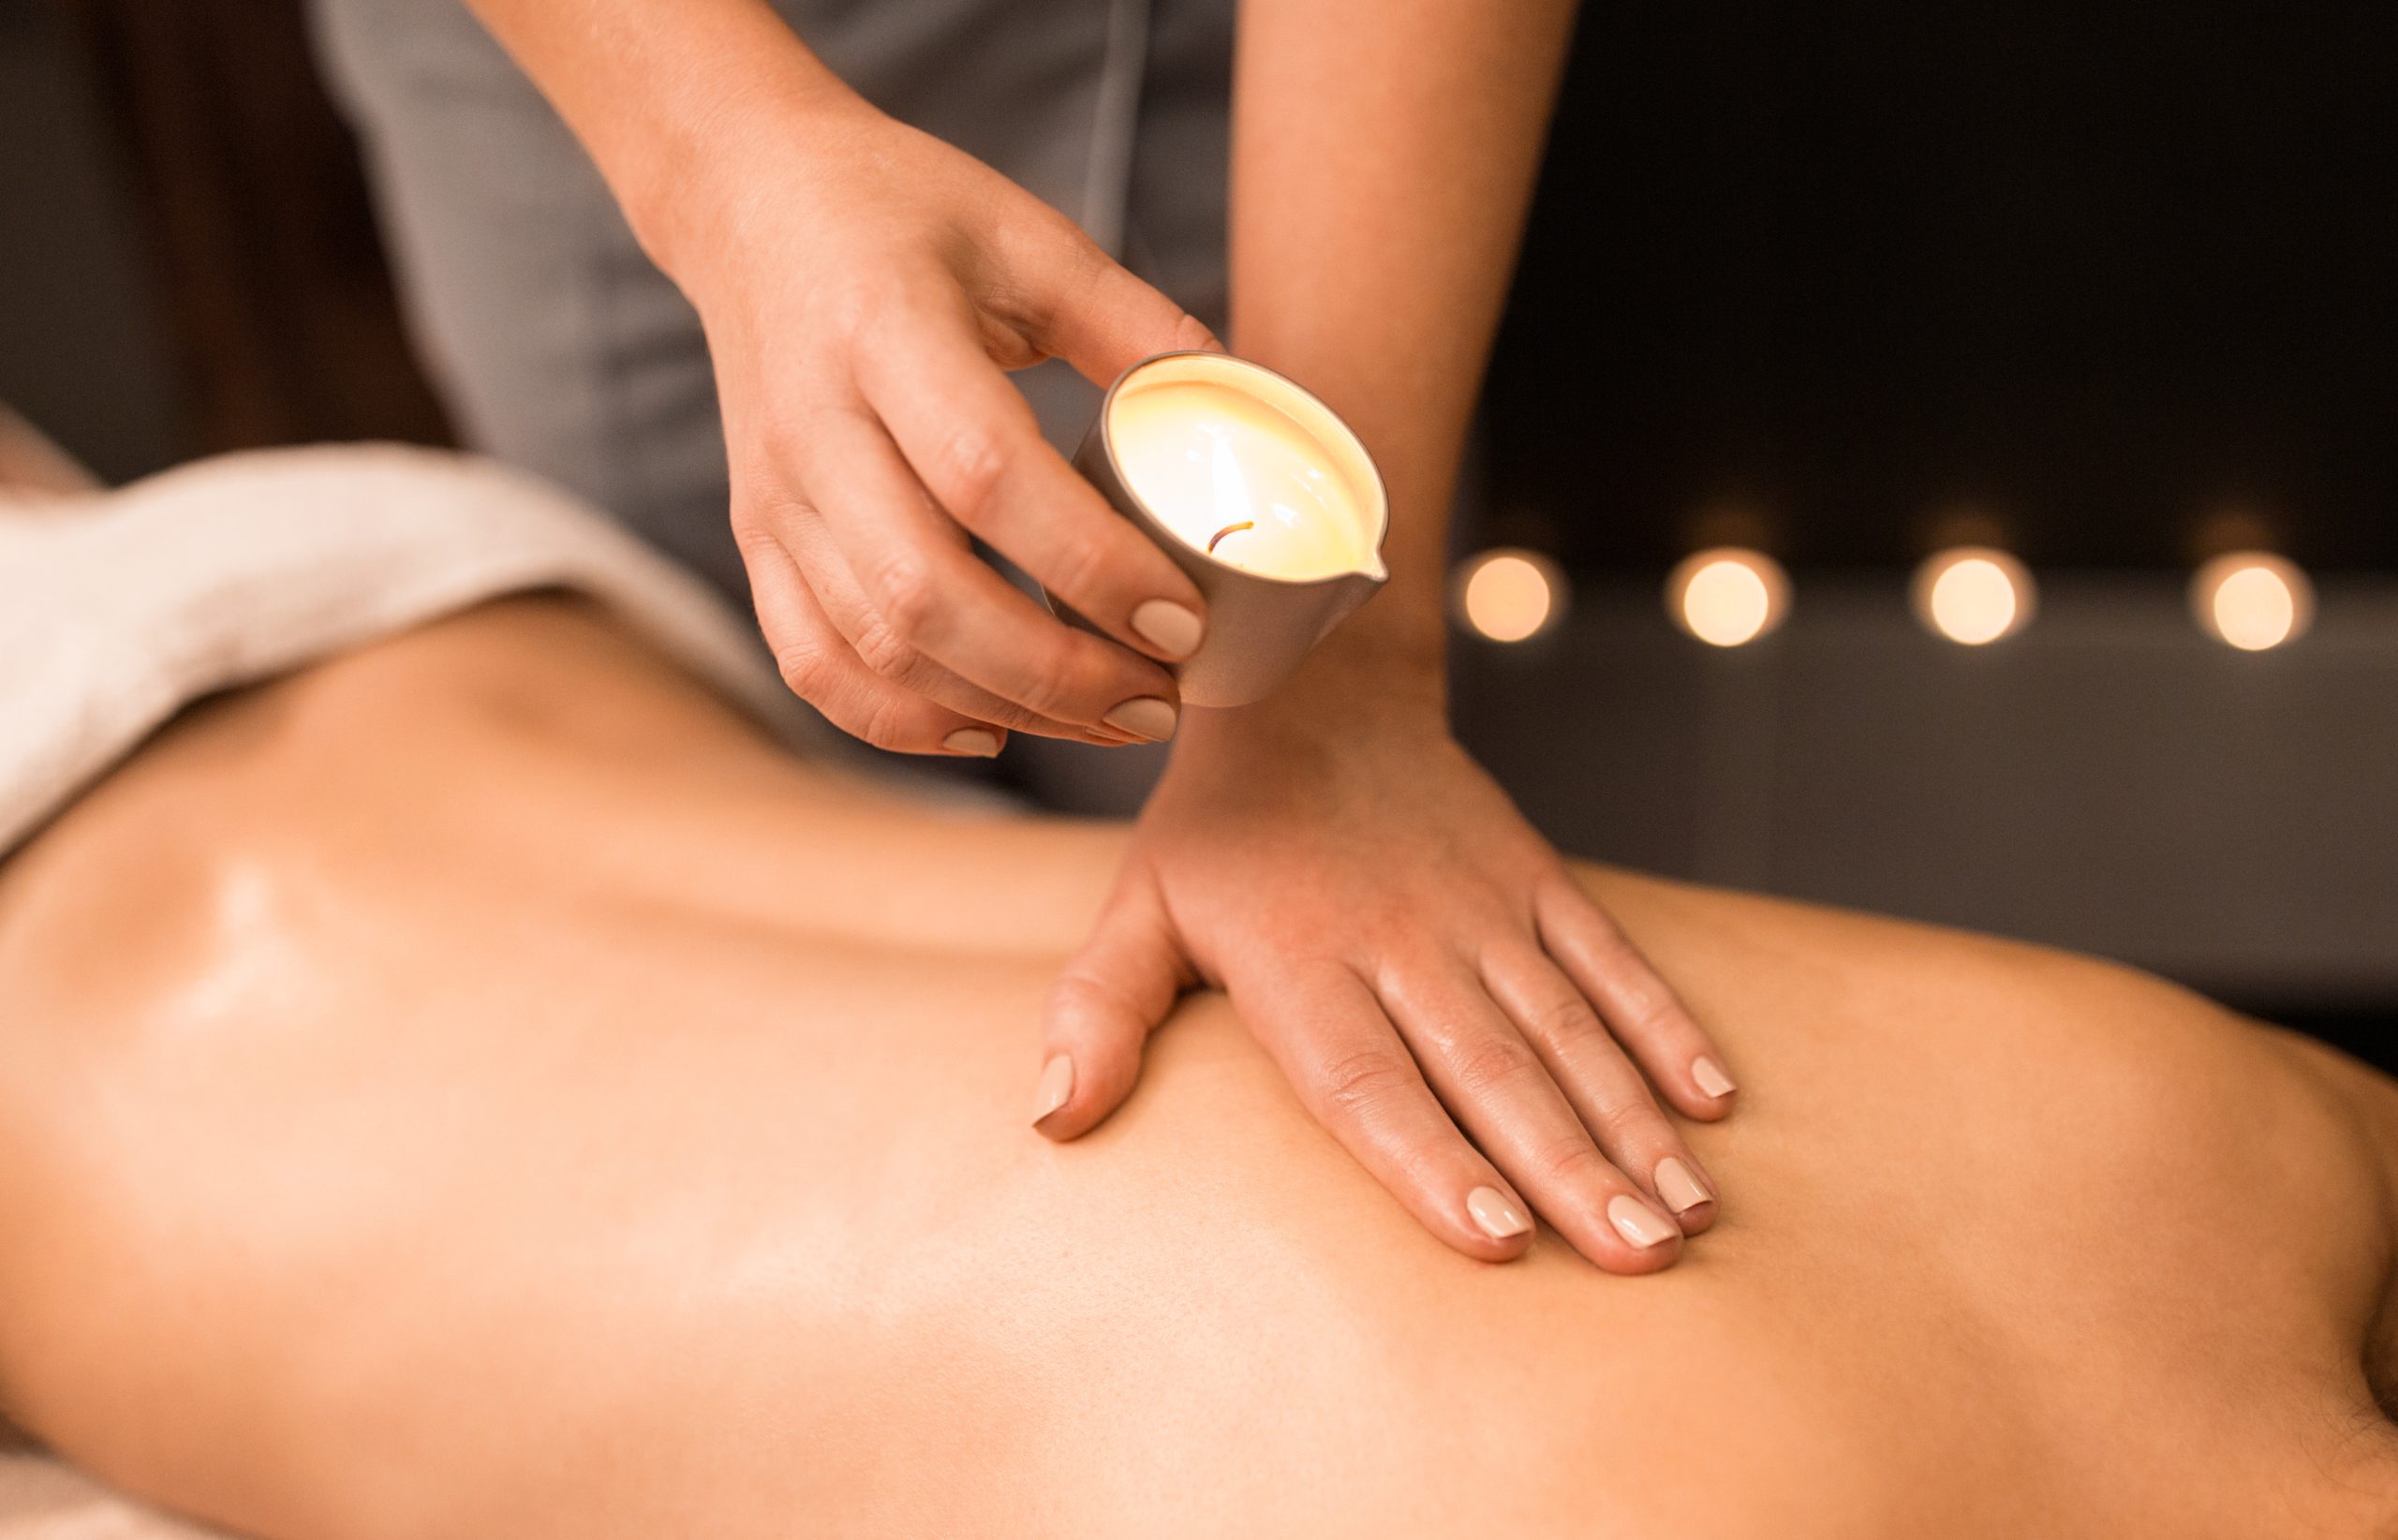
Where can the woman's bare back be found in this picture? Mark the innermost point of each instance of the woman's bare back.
(476, 1089)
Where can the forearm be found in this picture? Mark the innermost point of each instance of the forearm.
(667, 96)
(1384, 154)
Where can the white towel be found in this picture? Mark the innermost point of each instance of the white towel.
(41, 1498)
(117, 611)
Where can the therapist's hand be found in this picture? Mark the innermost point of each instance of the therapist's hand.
(1444, 995)
(864, 287)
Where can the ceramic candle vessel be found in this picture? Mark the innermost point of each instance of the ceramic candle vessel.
(1260, 491)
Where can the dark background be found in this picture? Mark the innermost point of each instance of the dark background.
(2094, 269)
(2111, 282)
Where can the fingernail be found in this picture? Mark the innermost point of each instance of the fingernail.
(1056, 1086)
(978, 741)
(1679, 1188)
(1637, 1222)
(1173, 629)
(1710, 1077)
(1496, 1213)
(1144, 717)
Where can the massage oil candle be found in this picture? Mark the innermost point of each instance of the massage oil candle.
(1260, 491)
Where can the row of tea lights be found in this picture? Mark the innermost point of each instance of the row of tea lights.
(1971, 595)
(1272, 505)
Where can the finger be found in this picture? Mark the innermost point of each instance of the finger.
(1604, 1087)
(935, 600)
(1641, 1008)
(971, 439)
(1114, 993)
(1101, 319)
(820, 667)
(1354, 1074)
(1500, 1093)
(827, 575)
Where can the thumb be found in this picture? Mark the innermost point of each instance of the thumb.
(1113, 994)
(1102, 320)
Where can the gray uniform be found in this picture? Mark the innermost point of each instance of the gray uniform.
(560, 348)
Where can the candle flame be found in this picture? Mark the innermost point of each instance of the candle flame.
(1230, 478)
(1212, 459)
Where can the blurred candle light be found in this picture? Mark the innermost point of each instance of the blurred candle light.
(1727, 595)
(1973, 594)
(1508, 595)
(2251, 600)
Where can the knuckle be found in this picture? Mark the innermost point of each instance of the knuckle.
(1048, 244)
(1085, 257)
(1570, 1025)
(884, 723)
(1004, 713)
(1361, 1083)
(1622, 1118)
(1491, 1062)
(759, 517)
(1600, 923)
(970, 467)
(907, 598)
(881, 648)
(1057, 687)
(1390, 918)
(1611, 955)
(1191, 333)
(840, 708)
(1080, 568)
(750, 519)
(753, 539)
(1082, 995)
(1651, 1010)
(853, 300)
(1578, 1163)
(803, 667)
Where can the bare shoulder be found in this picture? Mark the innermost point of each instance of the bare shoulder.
(1980, 1002)
(2022, 1036)
(2113, 1163)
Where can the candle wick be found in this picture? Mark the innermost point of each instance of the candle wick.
(1229, 529)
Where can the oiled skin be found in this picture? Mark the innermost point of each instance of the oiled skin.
(476, 1089)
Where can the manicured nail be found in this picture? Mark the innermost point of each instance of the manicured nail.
(1144, 717)
(1679, 1188)
(1496, 1213)
(1172, 628)
(1710, 1077)
(1637, 1222)
(1056, 1086)
(980, 742)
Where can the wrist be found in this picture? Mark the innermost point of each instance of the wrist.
(695, 188)
(1362, 684)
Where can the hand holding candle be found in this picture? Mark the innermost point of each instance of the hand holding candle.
(864, 290)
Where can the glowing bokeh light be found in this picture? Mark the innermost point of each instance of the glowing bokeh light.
(2252, 600)
(1973, 594)
(1511, 595)
(1728, 596)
